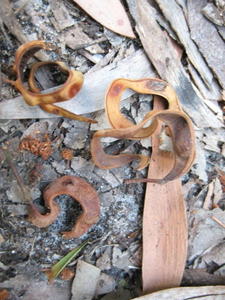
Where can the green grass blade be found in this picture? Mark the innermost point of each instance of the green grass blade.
(60, 265)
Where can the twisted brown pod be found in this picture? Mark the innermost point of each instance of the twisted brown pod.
(79, 190)
(179, 125)
(33, 96)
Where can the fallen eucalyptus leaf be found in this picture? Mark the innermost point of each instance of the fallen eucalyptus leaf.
(110, 14)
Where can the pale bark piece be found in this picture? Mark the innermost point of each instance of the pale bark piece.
(164, 57)
(75, 38)
(9, 19)
(164, 224)
(207, 38)
(110, 14)
(179, 24)
(61, 14)
(214, 93)
(212, 13)
(91, 96)
(185, 293)
(85, 281)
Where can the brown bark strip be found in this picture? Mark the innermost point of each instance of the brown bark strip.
(164, 224)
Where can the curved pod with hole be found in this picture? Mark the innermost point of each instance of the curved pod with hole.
(79, 190)
(179, 125)
(32, 95)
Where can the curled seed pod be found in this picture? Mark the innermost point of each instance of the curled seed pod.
(178, 123)
(79, 190)
(33, 96)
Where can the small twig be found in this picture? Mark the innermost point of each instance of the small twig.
(15, 172)
(218, 221)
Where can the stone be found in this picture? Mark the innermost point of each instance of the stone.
(85, 281)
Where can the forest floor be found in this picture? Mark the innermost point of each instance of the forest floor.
(115, 241)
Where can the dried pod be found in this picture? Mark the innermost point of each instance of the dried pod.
(79, 190)
(178, 125)
(33, 96)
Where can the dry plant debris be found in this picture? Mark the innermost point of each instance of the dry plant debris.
(37, 147)
(60, 266)
(163, 27)
(33, 96)
(79, 190)
(178, 124)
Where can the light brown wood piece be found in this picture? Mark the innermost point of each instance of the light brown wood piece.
(164, 224)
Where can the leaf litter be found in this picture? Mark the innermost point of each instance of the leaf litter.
(120, 204)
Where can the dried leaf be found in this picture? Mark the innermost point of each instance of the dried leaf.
(33, 96)
(178, 123)
(110, 14)
(80, 191)
(60, 266)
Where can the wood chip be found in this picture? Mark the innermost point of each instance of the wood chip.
(75, 38)
(9, 19)
(61, 14)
